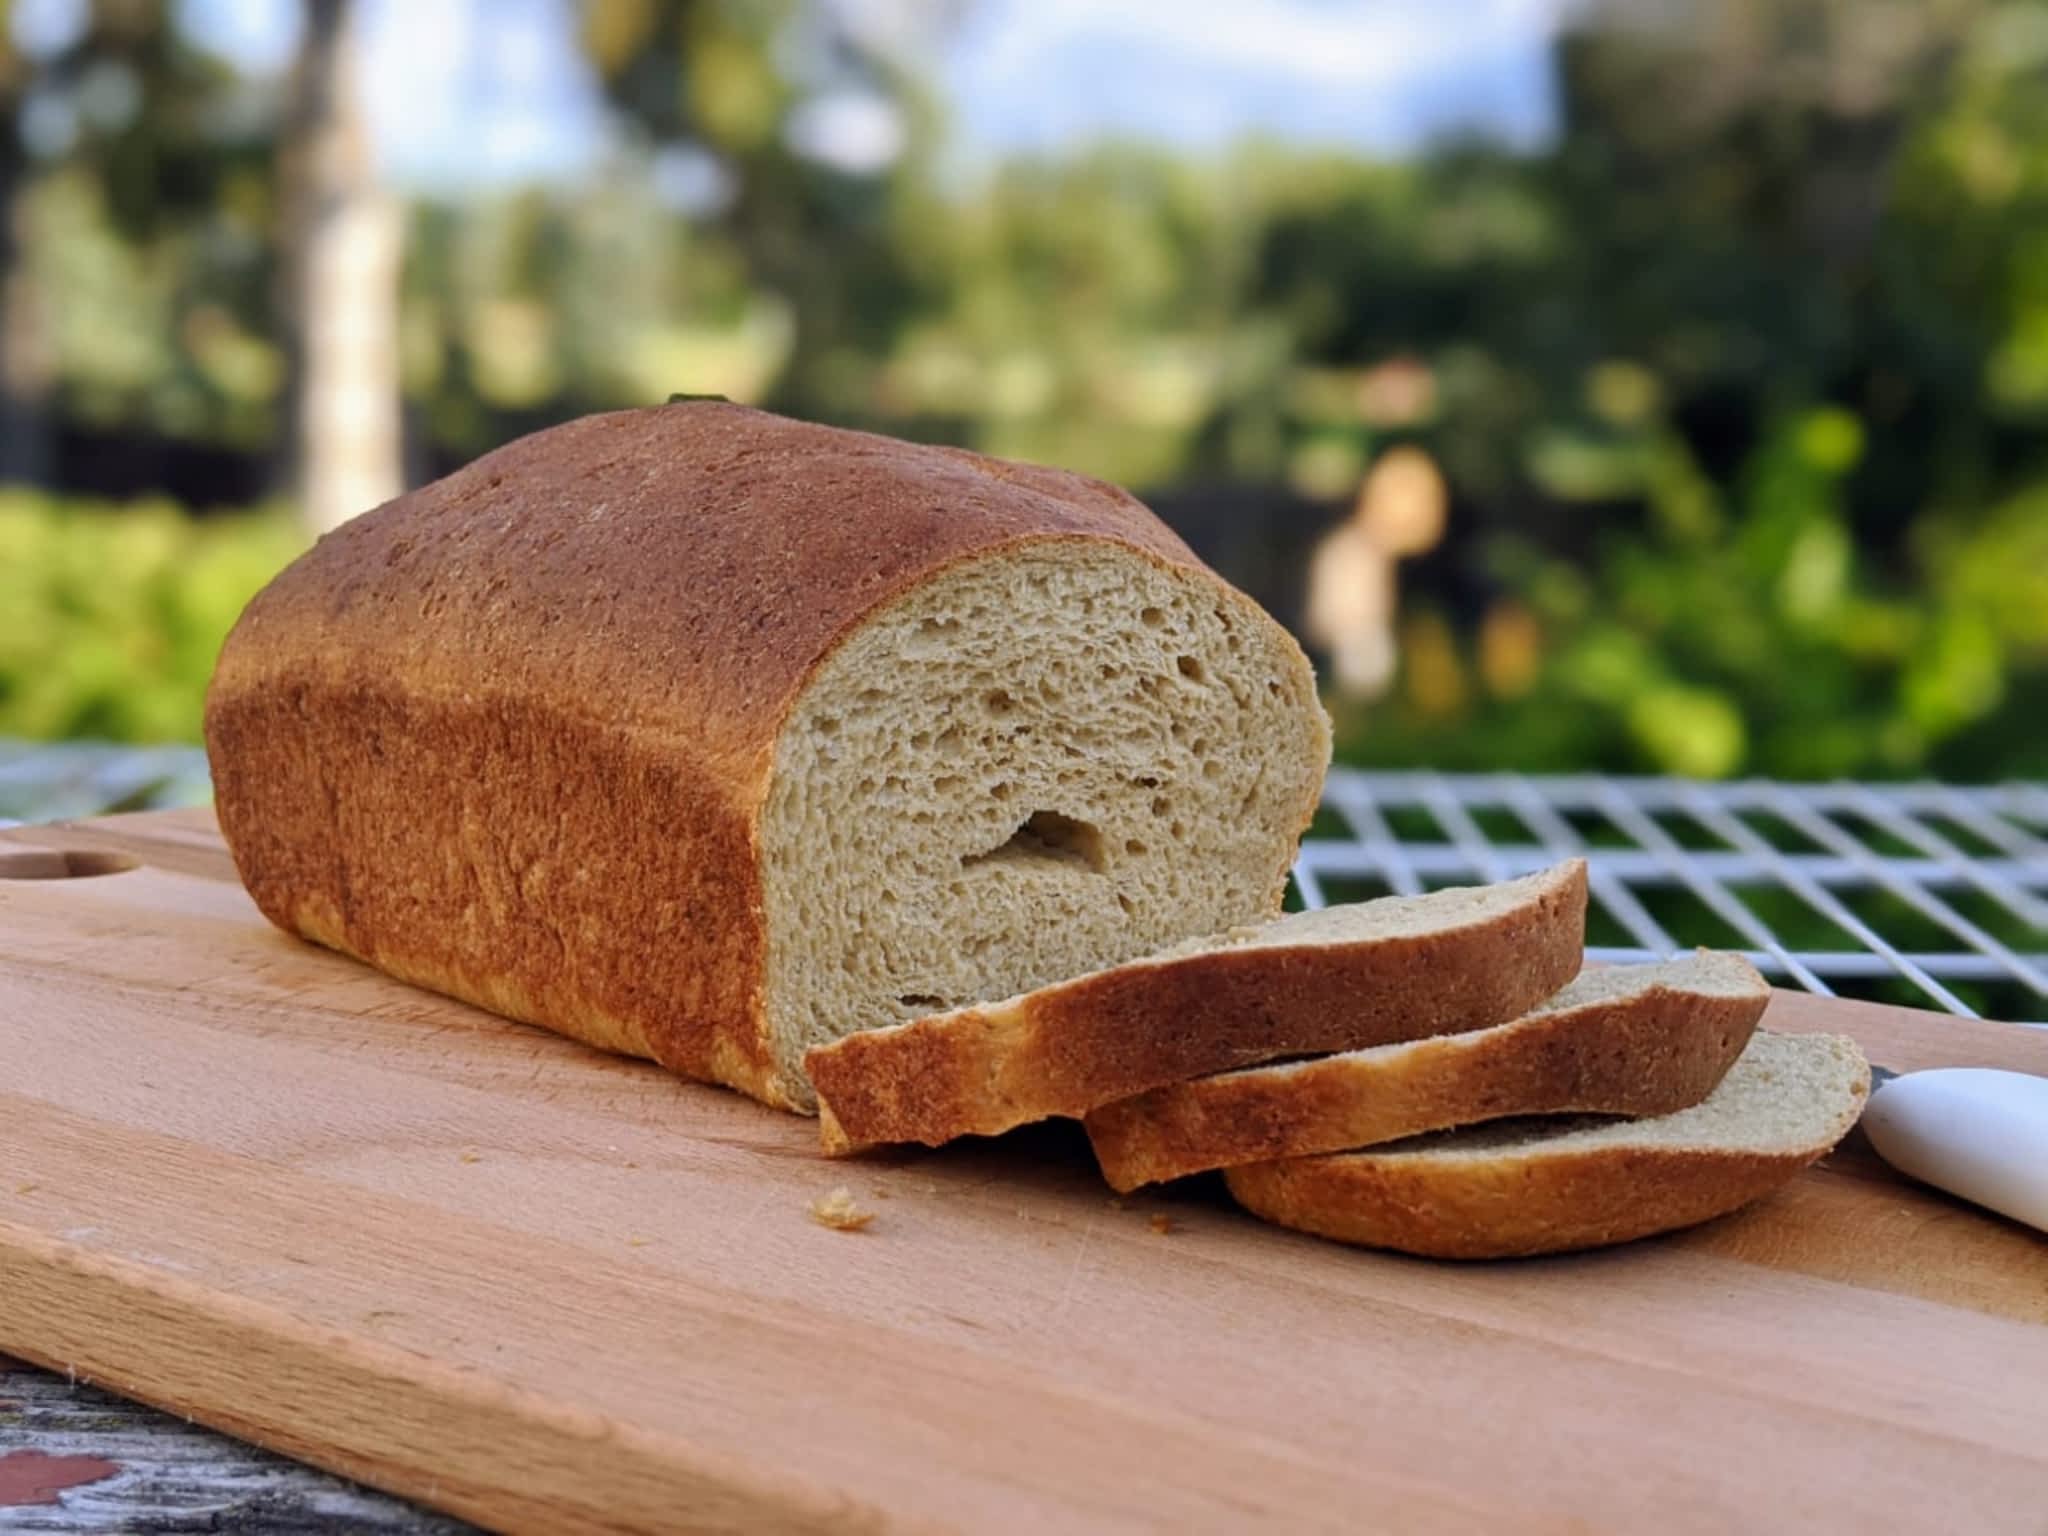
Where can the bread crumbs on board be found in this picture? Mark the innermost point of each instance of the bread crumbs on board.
(1162, 1224)
(838, 1211)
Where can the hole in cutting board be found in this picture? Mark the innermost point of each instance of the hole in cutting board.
(63, 864)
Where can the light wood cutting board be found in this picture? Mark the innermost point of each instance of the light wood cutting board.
(470, 1262)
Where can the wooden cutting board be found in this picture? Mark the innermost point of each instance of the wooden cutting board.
(470, 1262)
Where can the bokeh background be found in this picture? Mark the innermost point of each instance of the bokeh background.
(1648, 386)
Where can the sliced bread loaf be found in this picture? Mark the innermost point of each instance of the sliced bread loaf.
(707, 735)
(1519, 1187)
(1395, 969)
(1623, 1040)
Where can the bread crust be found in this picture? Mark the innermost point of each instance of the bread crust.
(1505, 1212)
(509, 736)
(1658, 1051)
(1076, 1045)
(1519, 1204)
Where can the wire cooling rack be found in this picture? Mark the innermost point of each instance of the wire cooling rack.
(1925, 894)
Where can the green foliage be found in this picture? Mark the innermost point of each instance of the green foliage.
(1738, 386)
(1781, 412)
(1746, 634)
(114, 614)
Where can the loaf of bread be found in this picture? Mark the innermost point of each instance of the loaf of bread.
(1372, 972)
(709, 736)
(1520, 1187)
(1621, 1040)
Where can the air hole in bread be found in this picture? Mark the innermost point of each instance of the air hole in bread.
(922, 1000)
(1191, 669)
(1047, 837)
(998, 701)
(1152, 618)
(1133, 847)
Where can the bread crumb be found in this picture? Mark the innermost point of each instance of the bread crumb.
(1162, 1223)
(472, 1157)
(1115, 1204)
(637, 1242)
(879, 1193)
(837, 1211)
(26, 1189)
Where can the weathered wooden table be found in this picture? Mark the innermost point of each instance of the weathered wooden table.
(76, 1459)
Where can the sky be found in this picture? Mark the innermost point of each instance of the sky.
(463, 92)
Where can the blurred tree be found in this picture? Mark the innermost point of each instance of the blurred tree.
(242, 230)
(142, 171)
(343, 235)
(1761, 400)
(798, 131)
(24, 370)
(1737, 388)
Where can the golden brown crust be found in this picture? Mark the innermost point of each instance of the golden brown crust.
(508, 736)
(1470, 1197)
(1658, 1051)
(1071, 1047)
(1508, 1208)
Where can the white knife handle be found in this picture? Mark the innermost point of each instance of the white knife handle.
(1974, 1131)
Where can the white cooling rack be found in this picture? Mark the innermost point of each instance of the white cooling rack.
(1926, 894)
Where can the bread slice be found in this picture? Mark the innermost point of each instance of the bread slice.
(1622, 1040)
(1343, 977)
(707, 735)
(1519, 1187)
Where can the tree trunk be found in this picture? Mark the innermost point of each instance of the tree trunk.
(344, 238)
